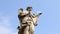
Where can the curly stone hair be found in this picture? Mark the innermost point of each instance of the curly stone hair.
(28, 7)
(21, 9)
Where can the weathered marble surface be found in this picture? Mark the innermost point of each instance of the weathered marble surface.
(27, 21)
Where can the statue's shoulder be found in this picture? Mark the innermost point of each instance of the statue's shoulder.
(25, 12)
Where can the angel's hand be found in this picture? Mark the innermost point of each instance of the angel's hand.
(40, 13)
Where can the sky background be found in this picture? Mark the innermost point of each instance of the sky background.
(48, 23)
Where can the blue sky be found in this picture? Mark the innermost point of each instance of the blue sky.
(48, 23)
